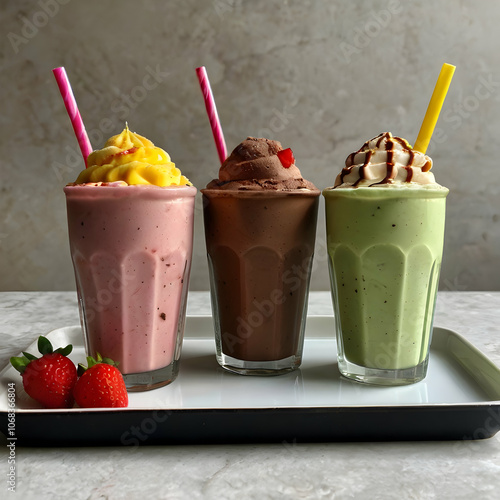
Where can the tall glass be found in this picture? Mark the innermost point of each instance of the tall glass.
(385, 246)
(260, 247)
(131, 249)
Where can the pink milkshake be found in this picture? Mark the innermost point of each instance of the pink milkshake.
(131, 245)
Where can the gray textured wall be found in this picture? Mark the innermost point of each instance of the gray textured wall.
(320, 76)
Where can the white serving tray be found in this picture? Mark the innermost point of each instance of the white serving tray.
(459, 399)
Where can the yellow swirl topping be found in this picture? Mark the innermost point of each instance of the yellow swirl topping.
(133, 159)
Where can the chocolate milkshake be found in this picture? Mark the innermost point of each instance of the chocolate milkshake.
(260, 228)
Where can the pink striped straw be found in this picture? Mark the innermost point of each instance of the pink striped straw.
(74, 114)
(213, 117)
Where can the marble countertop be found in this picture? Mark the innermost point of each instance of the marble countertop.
(393, 470)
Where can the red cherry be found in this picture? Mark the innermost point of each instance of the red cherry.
(286, 157)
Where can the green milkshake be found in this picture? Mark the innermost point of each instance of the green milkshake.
(385, 221)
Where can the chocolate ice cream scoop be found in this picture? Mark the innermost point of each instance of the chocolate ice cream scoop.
(257, 164)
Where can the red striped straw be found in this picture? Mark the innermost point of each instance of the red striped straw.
(74, 114)
(213, 117)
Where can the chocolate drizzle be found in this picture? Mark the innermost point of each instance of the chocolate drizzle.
(411, 157)
(409, 170)
(362, 173)
(391, 168)
(403, 143)
(427, 166)
(350, 159)
(383, 136)
(345, 171)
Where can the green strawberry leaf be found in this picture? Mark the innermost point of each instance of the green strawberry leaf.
(109, 361)
(44, 345)
(29, 356)
(64, 350)
(91, 361)
(19, 363)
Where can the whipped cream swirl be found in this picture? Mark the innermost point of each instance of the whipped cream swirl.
(385, 160)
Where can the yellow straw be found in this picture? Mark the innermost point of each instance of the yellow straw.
(434, 108)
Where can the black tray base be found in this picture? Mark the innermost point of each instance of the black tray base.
(283, 425)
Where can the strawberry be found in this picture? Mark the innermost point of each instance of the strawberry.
(49, 379)
(286, 157)
(101, 385)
